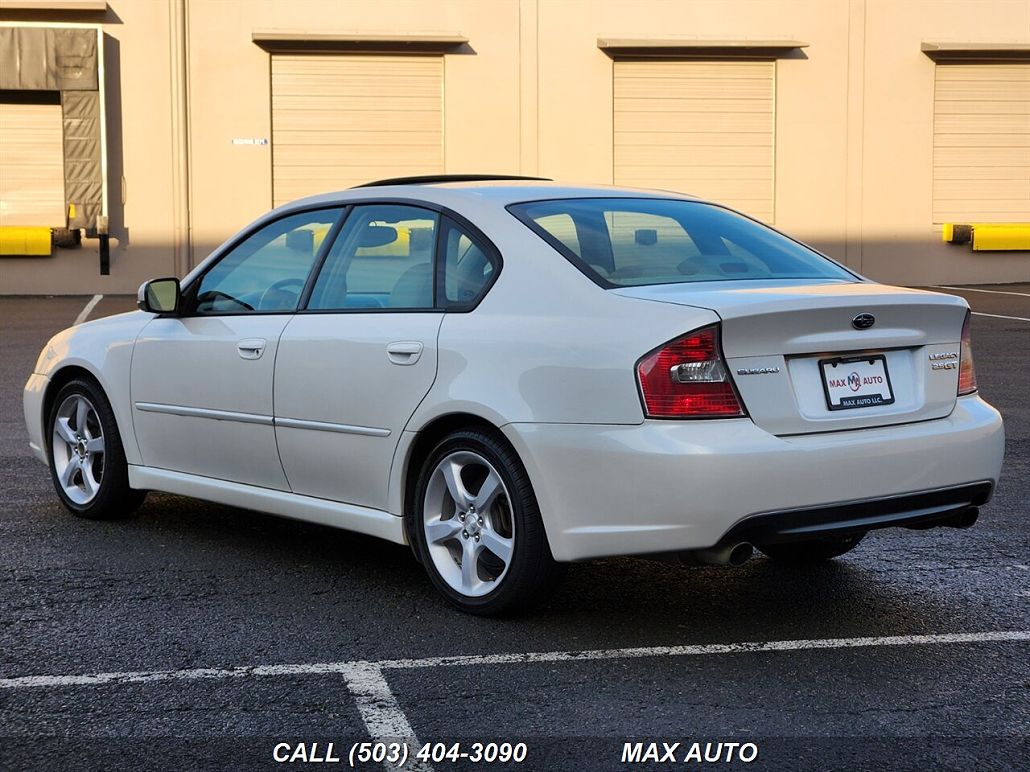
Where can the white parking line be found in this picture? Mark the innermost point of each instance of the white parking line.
(343, 668)
(993, 292)
(999, 316)
(85, 312)
(384, 719)
(701, 649)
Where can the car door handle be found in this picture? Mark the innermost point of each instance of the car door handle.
(404, 352)
(251, 348)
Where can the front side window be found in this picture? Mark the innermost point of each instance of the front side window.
(621, 242)
(382, 259)
(267, 271)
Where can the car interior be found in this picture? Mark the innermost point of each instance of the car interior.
(675, 242)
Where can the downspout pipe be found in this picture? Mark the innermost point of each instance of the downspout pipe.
(182, 216)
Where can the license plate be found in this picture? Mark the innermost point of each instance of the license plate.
(853, 382)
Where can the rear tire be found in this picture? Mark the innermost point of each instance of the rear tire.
(476, 527)
(87, 459)
(813, 550)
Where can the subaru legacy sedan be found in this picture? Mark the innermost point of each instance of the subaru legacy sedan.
(511, 374)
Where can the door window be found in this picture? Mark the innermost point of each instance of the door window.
(467, 268)
(382, 259)
(267, 271)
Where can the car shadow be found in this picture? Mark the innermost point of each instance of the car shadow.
(612, 602)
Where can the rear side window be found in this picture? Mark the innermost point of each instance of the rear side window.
(621, 242)
(468, 267)
(382, 259)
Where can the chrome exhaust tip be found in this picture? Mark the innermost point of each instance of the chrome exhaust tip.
(741, 553)
(729, 555)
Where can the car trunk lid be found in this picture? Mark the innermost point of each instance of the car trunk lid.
(804, 361)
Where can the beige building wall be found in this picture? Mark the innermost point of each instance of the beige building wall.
(530, 93)
(230, 92)
(899, 240)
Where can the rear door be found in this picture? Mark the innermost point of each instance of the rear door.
(353, 366)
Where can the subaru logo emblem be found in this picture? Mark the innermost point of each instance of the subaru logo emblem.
(863, 321)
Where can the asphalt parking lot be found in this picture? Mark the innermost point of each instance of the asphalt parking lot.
(201, 636)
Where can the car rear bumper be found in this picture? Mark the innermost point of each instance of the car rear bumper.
(955, 506)
(664, 486)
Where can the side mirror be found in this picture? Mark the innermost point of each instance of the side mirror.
(159, 296)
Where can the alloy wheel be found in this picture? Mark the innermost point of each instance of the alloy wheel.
(468, 524)
(77, 446)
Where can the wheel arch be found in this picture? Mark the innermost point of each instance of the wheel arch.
(425, 440)
(64, 375)
(411, 456)
(58, 380)
(422, 444)
(537, 570)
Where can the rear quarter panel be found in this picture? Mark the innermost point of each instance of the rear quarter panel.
(547, 344)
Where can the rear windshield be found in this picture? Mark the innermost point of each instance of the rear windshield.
(624, 242)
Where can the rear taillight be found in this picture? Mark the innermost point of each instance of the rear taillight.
(687, 378)
(966, 371)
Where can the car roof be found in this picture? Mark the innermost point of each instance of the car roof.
(495, 192)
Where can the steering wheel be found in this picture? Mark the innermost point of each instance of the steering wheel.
(212, 295)
(279, 286)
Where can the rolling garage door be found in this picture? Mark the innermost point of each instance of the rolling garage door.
(981, 143)
(31, 165)
(341, 120)
(705, 128)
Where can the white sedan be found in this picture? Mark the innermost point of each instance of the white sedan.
(511, 374)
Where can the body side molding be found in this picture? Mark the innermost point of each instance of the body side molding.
(326, 426)
(264, 420)
(204, 412)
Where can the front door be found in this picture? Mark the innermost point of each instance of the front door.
(202, 379)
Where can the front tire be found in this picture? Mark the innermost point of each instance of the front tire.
(87, 460)
(477, 529)
(812, 550)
